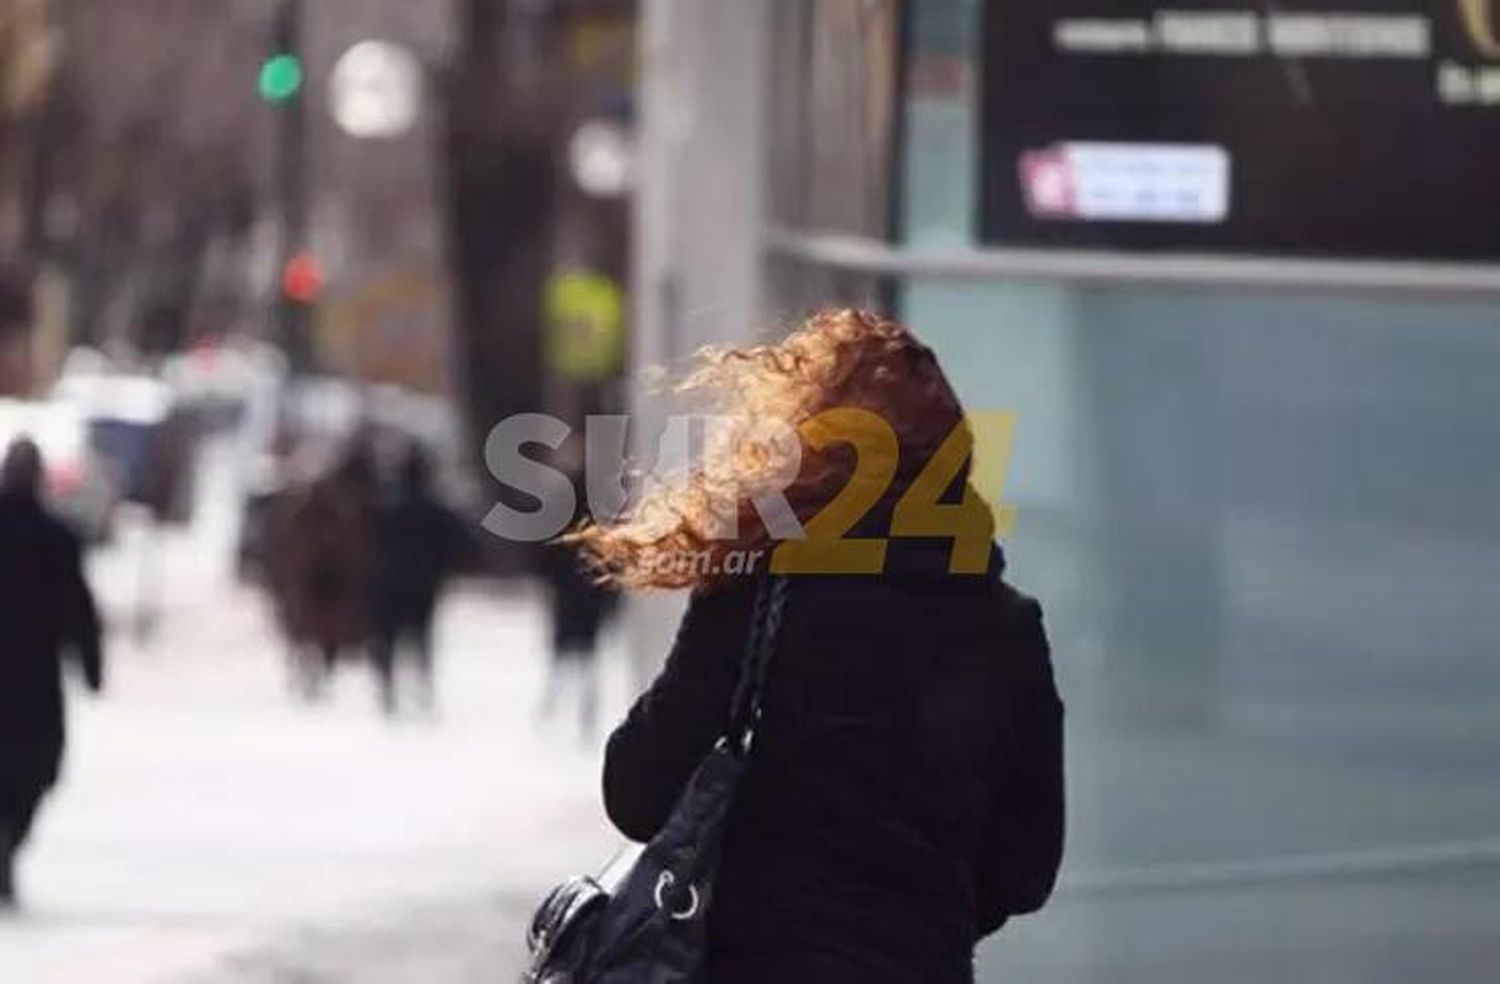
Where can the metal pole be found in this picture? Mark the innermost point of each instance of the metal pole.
(292, 317)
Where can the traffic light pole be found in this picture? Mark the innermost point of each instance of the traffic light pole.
(292, 316)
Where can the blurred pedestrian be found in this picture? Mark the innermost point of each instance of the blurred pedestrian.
(578, 606)
(321, 565)
(419, 545)
(904, 792)
(584, 342)
(46, 612)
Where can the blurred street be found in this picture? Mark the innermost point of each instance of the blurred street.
(280, 280)
(212, 827)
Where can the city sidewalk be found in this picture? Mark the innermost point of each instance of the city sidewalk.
(211, 829)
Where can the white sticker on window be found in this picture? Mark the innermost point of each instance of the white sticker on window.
(1127, 182)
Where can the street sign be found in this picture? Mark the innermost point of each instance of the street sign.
(1346, 129)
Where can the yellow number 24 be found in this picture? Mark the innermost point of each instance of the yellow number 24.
(989, 438)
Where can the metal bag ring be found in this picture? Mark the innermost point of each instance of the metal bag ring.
(665, 881)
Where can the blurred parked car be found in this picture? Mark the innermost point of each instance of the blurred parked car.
(135, 422)
(82, 485)
(218, 380)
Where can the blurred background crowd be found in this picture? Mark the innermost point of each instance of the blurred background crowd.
(270, 270)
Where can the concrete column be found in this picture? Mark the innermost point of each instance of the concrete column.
(699, 211)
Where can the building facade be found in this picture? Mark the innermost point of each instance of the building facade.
(1256, 493)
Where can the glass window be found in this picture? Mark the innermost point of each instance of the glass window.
(1264, 527)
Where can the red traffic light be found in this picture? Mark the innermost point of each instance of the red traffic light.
(302, 280)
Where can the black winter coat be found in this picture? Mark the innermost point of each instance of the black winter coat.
(419, 546)
(45, 608)
(905, 792)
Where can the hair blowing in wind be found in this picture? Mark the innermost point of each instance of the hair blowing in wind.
(837, 358)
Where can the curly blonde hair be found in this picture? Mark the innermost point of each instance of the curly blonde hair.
(838, 358)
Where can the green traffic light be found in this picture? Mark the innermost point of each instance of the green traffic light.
(280, 78)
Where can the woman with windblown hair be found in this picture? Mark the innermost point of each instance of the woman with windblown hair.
(905, 793)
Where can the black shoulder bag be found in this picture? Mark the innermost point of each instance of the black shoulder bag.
(654, 929)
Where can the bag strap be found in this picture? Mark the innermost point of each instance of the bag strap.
(760, 646)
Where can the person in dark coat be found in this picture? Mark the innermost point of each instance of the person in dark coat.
(46, 610)
(904, 795)
(419, 545)
(321, 566)
(578, 608)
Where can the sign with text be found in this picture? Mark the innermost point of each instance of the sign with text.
(1315, 128)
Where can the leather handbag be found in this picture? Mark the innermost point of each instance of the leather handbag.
(654, 928)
